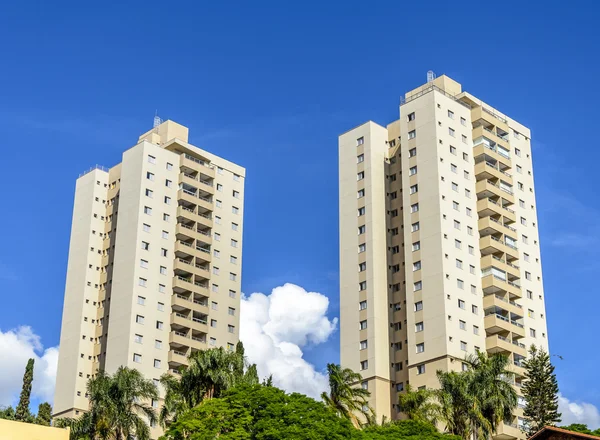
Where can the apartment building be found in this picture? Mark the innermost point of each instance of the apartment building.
(155, 258)
(439, 246)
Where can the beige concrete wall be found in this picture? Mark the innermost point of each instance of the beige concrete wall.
(11, 430)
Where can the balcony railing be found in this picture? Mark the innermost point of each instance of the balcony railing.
(180, 353)
(201, 321)
(490, 112)
(491, 165)
(428, 89)
(497, 204)
(183, 335)
(198, 161)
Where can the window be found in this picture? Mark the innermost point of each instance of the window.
(529, 294)
(469, 212)
(464, 139)
(230, 328)
(163, 270)
(420, 347)
(412, 171)
(463, 345)
(217, 220)
(360, 193)
(418, 306)
(412, 152)
(360, 141)
(137, 358)
(234, 226)
(167, 200)
(163, 252)
(450, 114)
(236, 194)
(416, 266)
(523, 238)
(459, 264)
(528, 276)
(471, 250)
(453, 168)
(475, 309)
(232, 294)
(362, 325)
(416, 246)
(456, 224)
(139, 319)
(414, 189)
(461, 304)
(414, 227)
(166, 217)
(419, 327)
(517, 151)
(159, 325)
(160, 307)
(162, 288)
(451, 131)
(417, 286)
(455, 206)
(393, 195)
(462, 325)
(360, 176)
(361, 229)
(414, 207)
(216, 270)
(362, 267)
(219, 187)
(141, 300)
(169, 166)
(363, 345)
(532, 332)
(138, 339)
(421, 369)
(521, 203)
(212, 341)
(469, 230)
(151, 159)
(411, 117)
(460, 284)
(142, 282)
(147, 210)
(362, 285)
(362, 305)
(144, 264)
(232, 259)
(360, 158)
(232, 276)
(157, 344)
(412, 134)
(146, 227)
(463, 121)
(157, 363)
(457, 244)
(364, 365)
(217, 253)
(362, 247)
(149, 176)
(454, 187)
(234, 243)
(361, 211)
(466, 175)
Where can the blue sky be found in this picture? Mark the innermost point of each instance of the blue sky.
(270, 85)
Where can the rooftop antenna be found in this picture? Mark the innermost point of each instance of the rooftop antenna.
(430, 76)
(157, 120)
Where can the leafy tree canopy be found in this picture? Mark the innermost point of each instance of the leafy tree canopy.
(579, 427)
(406, 430)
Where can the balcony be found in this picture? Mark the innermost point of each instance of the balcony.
(502, 344)
(489, 226)
(191, 214)
(493, 284)
(186, 250)
(179, 339)
(497, 323)
(488, 170)
(489, 207)
(511, 269)
(499, 137)
(508, 432)
(488, 118)
(177, 358)
(192, 164)
(193, 198)
(184, 286)
(499, 301)
(185, 268)
(487, 188)
(492, 245)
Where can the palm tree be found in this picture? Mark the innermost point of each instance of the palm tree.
(344, 396)
(492, 385)
(117, 407)
(419, 405)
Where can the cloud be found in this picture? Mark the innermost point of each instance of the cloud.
(571, 240)
(578, 412)
(16, 347)
(275, 328)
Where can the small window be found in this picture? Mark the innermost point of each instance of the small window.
(362, 305)
(450, 114)
(414, 207)
(360, 158)
(461, 304)
(412, 134)
(420, 348)
(414, 227)
(151, 159)
(452, 150)
(362, 325)
(416, 266)
(421, 369)
(453, 168)
(463, 345)
(412, 152)
(411, 117)
(157, 363)
(463, 121)
(412, 171)
(363, 345)
(416, 246)
(137, 358)
(451, 131)
(419, 327)
(360, 141)
(414, 189)
(364, 365)
(418, 306)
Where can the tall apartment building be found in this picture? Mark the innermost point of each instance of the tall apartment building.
(155, 259)
(439, 247)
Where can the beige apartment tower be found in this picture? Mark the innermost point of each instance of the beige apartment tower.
(439, 246)
(155, 260)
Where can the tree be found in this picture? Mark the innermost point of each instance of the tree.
(22, 412)
(540, 391)
(261, 412)
(44, 414)
(7, 413)
(579, 427)
(419, 405)
(117, 408)
(491, 383)
(405, 430)
(345, 397)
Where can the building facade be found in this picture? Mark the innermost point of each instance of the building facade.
(439, 246)
(155, 257)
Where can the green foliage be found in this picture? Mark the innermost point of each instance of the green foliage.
(210, 373)
(345, 397)
(405, 430)
(475, 401)
(22, 412)
(419, 405)
(540, 391)
(44, 414)
(262, 413)
(116, 408)
(579, 427)
(7, 413)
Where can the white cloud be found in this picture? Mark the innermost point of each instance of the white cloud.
(578, 412)
(274, 329)
(17, 346)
